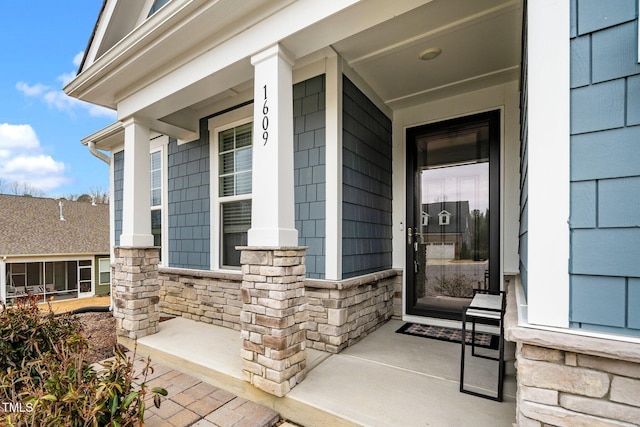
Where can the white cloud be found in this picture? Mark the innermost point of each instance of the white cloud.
(56, 99)
(59, 100)
(77, 60)
(18, 137)
(23, 160)
(66, 77)
(35, 90)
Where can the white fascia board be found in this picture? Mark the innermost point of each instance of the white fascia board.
(107, 137)
(98, 33)
(549, 162)
(125, 68)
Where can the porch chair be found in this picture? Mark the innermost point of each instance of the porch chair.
(488, 307)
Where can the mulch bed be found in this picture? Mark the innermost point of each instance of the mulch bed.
(100, 329)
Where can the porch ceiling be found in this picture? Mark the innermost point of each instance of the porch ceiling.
(480, 42)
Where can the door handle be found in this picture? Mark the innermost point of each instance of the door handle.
(409, 235)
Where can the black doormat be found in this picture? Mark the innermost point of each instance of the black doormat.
(449, 334)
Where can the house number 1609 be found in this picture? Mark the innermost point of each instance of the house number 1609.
(265, 118)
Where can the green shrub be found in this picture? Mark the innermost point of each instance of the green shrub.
(49, 382)
(28, 333)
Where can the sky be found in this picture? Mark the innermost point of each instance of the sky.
(41, 46)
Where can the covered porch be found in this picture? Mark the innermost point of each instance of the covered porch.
(297, 147)
(386, 379)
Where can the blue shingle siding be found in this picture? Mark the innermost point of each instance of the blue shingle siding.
(583, 204)
(366, 186)
(118, 185)
(189, 204)
(605, 166)
(597, 300)
(580, 61)
(619, 202)
(633, 102)
(594, 15)
(606, 252)
(589, 115)
(310, 171)
(609, 154)
(615, 52)
(633, 301)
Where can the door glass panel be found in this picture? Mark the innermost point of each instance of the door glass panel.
(450, 249)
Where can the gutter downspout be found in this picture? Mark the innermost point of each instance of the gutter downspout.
(107, 160)
(98, 154)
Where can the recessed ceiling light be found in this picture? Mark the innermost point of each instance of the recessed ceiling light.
(430, 53)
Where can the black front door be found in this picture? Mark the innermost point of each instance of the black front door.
(453, 213)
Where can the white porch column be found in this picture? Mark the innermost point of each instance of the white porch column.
(333, 161)
(548, 149)
(136, 204)
(272, 218)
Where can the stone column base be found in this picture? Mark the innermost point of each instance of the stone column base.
(273, 318)
(136, 291)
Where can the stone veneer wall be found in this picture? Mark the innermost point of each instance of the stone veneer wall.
(214, 297)
(205, 296)
(135, 291)
(345, 311)
(573, 380)
(274, 318)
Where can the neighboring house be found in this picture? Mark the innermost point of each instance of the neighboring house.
(53, 248)
(297, 132)
(446, 231)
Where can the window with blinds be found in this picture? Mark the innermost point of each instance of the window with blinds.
(236, 221)
(156, 197)
(235, 156)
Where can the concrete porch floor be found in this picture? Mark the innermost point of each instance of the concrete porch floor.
(387, 379)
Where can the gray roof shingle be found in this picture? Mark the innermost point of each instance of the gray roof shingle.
(32, 226)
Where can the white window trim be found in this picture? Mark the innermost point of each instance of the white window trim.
(219, 124)
(444, 218)
(92, 279)
(160, 144)
(100, 271)
(549, 162)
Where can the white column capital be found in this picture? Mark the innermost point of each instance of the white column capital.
(134, 120)
(273, 51)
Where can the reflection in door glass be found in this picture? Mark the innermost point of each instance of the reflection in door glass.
(452, 245)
